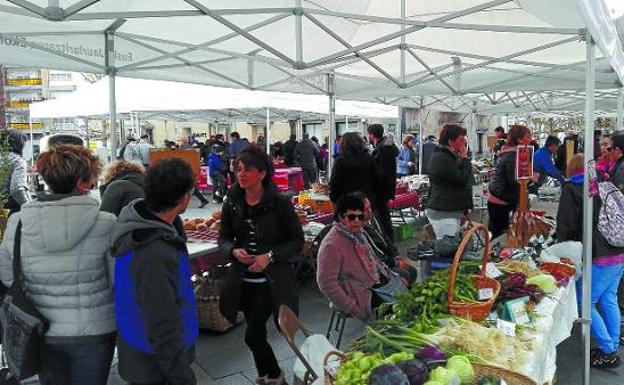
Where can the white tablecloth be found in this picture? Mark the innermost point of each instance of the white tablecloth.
(196, 249)
(557, 314)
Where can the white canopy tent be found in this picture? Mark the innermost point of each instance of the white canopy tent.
(192, 101)
(394, 52)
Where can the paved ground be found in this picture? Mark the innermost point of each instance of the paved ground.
(223, 359)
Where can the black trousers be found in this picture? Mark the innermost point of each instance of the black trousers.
(257, 305)
(310, 175)
(498, 218)
(197, 194)
(382, 212)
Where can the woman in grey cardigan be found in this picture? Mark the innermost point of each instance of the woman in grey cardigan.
(65, 241)
(15, 185)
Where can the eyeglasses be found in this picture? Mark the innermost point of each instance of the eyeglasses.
(352, 217)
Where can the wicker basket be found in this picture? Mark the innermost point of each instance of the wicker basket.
(329, 378)
(476, 311)
(558, 268)
(511, 378)
(207, 301)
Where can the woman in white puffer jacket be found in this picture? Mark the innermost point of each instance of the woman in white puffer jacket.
(65, 241)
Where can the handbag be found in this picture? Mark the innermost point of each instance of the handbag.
(23, 326)
(388, 291)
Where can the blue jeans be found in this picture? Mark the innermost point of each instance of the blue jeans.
(606, 324)
(77, 364)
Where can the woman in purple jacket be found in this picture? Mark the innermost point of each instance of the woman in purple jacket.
(348, 269)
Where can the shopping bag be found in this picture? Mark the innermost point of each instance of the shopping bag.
(23, 326)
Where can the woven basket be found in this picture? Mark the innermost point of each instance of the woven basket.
(558, 268)
(329, 378)
(511, 378)
(475, 311)
(207, 301)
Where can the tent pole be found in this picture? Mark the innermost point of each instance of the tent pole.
(32, 145)
(112, 102)
(346, 123)
(87, 131)
(267, 136)
(138, 123)
(421, 132)
(590, 78)
(473, 128)
(403, 45)
(332, 123)
(132, 124)
(620, 110)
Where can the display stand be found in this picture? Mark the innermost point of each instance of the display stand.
(519, 229)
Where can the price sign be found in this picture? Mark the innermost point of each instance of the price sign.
(506, 327)
(491, 271)
(485, 294)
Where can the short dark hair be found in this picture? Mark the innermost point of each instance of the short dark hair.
(451, 131)
(499, 129)
(60, 139)
(306, 135)
(255, 157)
(618, 140)
(431, 137)
(376, 130)
(219, 136)
(293, 137)
(15, 140)
(552, 140)
(352, 143)
(62, 167)
(235, 135)
(166, 182)
(516, 133)
(350, 201)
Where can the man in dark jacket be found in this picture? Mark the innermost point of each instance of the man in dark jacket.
(384, 153)
(289, 151)
(429, 147)
(154, 300)
(451, 178)
(306, 154)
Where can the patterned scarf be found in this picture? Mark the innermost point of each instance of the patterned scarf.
(362, 249)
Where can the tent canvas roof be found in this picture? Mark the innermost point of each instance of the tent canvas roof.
(376, 49)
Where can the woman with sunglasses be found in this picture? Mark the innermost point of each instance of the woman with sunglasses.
(348, 269)
(259, 233)
(605, 164)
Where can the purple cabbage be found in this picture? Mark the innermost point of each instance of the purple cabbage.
(431, 353)
(388, 374)
(416, 371)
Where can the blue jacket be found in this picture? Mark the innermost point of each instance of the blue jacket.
(404, 157)
(154, 299)
(215, 164)
(236, 147)
(543, 163)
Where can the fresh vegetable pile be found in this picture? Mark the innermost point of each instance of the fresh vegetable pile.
(515, 286)
(426, 302)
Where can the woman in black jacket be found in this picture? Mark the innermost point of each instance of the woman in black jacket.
(451, 178)
(123, 183)
(259, 232)
(504, 188)
(354, 170)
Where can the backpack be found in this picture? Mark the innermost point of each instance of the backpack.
(611, 214)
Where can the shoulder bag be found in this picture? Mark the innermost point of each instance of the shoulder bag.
(23, 326)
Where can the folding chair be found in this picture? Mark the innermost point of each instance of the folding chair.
(289, 325)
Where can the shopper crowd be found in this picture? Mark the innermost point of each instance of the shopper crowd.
(117, 274)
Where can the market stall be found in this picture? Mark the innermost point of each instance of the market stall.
(475, 324)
